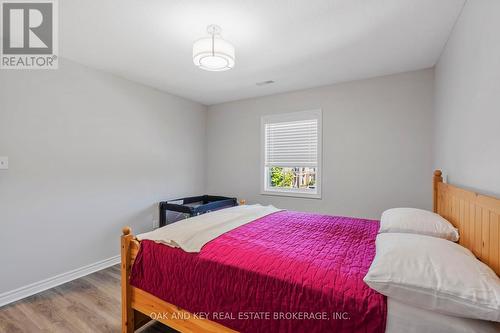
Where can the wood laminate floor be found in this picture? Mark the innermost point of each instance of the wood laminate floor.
(88, 304)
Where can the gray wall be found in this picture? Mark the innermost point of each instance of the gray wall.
(89, 153)
(467, 100)
(377, 137)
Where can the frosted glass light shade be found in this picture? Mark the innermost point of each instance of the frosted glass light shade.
(213, 54)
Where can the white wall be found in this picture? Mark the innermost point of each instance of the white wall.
(89, 153)
(377, 137)
(467, 100)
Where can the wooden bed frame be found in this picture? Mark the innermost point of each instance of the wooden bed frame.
(139, 306)
(476, 216)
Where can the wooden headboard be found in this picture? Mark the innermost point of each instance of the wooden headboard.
(476, 216)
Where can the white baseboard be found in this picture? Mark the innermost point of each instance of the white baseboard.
(35, 288)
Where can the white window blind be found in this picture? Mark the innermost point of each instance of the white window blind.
(292, 143)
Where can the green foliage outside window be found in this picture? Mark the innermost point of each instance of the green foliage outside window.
(280, 178)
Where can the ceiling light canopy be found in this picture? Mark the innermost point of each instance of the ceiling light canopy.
(263, 83)
(213, 53)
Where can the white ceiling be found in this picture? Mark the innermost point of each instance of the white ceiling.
(297, 43)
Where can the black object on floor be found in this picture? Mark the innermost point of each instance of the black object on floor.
(174, 210)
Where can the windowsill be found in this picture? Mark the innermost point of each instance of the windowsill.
(285, 193)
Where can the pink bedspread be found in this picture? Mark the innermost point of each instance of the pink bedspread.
(285, 272)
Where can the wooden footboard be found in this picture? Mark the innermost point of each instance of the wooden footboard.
(139, 307)
(131, 319)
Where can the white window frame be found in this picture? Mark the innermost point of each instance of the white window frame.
(285, 117)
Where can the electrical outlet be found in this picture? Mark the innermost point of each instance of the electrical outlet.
(4, 162)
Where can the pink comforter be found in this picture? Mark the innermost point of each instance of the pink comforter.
(285, 272)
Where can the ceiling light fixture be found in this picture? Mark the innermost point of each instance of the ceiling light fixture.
(213, 53)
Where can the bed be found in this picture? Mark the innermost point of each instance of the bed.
(476, 216)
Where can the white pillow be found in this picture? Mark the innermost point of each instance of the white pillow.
(434, 274)
(417, 221)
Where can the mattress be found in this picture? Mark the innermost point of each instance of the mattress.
(404, 318)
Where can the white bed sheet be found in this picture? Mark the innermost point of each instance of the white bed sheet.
(403, 318)
(193, 233)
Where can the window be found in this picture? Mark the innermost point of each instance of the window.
(291, 154)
